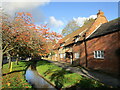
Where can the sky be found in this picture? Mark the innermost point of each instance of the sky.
(58, 14)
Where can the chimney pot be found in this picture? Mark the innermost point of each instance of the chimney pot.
(100, 13)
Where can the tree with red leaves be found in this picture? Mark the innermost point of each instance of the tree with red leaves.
(21, 36)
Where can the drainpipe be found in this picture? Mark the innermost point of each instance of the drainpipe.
(119, 52)
(85, 50)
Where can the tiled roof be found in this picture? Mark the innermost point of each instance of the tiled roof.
(105, 28)
(69, 39)
(111, 26)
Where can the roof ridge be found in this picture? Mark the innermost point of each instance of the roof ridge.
(110, 26)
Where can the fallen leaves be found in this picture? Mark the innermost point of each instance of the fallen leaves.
(14, 80)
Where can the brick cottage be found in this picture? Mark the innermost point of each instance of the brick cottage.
(95, 45)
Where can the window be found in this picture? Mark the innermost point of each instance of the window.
(77, 39)
(55, 55)
(62, 55)
(62, 45)
(99, 54)
(77, 55)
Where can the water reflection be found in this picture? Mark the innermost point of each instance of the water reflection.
(36, 80)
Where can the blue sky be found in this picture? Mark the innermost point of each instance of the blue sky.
(65, 11)
(58, 14)
(68, 10)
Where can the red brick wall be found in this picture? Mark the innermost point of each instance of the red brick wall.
(76, 49)
(82, 55)
(108, 43)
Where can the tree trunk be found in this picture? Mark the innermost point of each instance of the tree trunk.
(0, 69)
(9, 60)
(1, 56)
(33, 64)
(17, 59)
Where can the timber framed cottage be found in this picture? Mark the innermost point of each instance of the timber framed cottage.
(95, 45)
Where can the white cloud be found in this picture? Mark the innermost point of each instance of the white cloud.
(92, 16)
(25, 0)
(53, 22)
(12, 6)
(80, 20)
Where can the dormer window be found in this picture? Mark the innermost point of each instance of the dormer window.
(77, 37)
(62, 44)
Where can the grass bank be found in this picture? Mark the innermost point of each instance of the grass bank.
(63, 79)
(15, 78)
(56, 75)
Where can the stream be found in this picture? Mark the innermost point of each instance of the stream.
(36, 80)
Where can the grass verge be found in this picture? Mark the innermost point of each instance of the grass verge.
(15, 78)
(63, 79)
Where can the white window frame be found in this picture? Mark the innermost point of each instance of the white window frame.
(62, 55)
(77, 55)
(62, 45)
(77, 39)
(99, 54)
(56, 55)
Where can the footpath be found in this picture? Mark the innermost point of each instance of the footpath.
(101, 77)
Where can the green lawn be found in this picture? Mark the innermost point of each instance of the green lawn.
(62, 78)
(15, 78)
(56, 75)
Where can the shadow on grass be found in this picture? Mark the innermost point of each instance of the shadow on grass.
(57, 76)
(87, 83)
(26, 65)
(12, 72)
(43, 62)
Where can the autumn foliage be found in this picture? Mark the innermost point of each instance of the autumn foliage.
(21, 35)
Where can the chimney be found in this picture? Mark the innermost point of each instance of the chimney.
(97, 23)
(100, 13)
